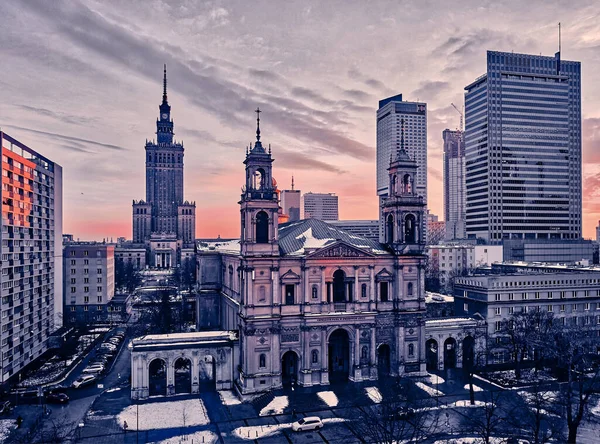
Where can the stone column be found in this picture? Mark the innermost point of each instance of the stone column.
(374, 352)
(250, 280)
(371, 287)
(305, 287)
(356, 286)
(275, 356)
(170, 377)
(324, 357)
(195, 372)
(356, 370)
(276, 297)
(323, 286)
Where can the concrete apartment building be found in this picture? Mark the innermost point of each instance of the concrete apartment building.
(322, 206)
(574, 298)
(31, 266)
(452, 259)
(89, 281)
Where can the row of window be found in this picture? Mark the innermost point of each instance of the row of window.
(87, 290)
(86, 271)
(549, 308)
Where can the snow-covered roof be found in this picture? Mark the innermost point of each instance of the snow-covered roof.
(221, 246)
(432, 298)
(183, 339)
(450, 322)
(305, 236)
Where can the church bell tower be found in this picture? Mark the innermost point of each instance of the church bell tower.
(403, 210)
(259, 204)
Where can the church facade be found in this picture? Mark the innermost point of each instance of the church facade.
(164, 223)
(314, 304)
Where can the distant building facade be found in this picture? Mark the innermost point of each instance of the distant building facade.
(164, 218)
(523, 149)
(363, 228)
(454, 184)
(290, 203)
(89, 281)
(31, 244)
(573, 298)
(130, 254)
(548, 250)
(436, 229)
(322, 206)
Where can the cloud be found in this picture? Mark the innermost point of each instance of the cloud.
(71, 139)
(294, 160)
(66, 118)
(429, 89)
(310, 94)
(357, 94)
(590, 138)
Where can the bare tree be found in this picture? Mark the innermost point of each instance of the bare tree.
(487, 420)
(473, 352)
(400, 416)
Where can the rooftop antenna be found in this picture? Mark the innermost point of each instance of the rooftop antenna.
(557, 55)
(258, 111)
(292, 183)
(165, 84)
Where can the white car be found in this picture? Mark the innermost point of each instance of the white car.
(308, 423)
(108, 346)
(95, 368)
(84, 380)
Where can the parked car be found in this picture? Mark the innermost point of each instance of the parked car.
(57, 398)
(96, 368)
(108, 346)
(84, 380)
(99, 360)
(308, 423)
(114, 341)
(5, 408)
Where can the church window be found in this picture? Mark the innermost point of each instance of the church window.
(407, 184)
(383, 291)
(363, 290)
(315, 356)
(410, 229)
(289, 294)
(259, 179)
(262, 361)
(261, 293)
(411, 349)
(409, 289)
(390, 229)
(315, 292)
(262, 228)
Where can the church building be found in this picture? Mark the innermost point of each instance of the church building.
(312, 303)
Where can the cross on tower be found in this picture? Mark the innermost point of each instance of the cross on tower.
(258, 111)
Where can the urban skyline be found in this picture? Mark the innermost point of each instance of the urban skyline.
(337, 140)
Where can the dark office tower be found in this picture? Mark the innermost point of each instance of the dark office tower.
(523, 149)
(454, 184)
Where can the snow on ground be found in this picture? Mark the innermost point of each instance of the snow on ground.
(471, 440)
(258, 432)
(374, 394)
(114, 389)
(329, 398)
(164, 415)
(276, 406)
(435, 379)
(202, 436)
(476, 388)
(429, 390)
(228, 397)
(528, 375)
(6, 426)
(595, 407)
(466, 403)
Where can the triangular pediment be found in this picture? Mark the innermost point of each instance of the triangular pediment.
(384, 274)
(290, 275)
(340, 250)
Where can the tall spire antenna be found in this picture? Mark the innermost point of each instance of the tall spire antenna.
(559, 37)
(165, 85)
(292, 183)
(258, 111)
(557, 55)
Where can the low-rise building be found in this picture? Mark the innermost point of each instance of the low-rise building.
(438, 305)
(574, 298)
(129, 253)
(89, 281)
(363, 228)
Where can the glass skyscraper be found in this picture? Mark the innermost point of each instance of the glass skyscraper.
(523, 149)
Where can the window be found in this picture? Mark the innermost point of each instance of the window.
(497, 297)
(99, 280)
(262, 360)
(99, 289)
(549, 308)
(99, 307)
(466, 307)
(86, 271)
(315, 292)
(86, 262)
(364, 353)
(72, 261)
(99, 270)
(498, 311)
(511, 310)
(99, 298)
(498, 325)
(72, 252)
(411, 349)
(73, 280)
(73, 289)
(261, 293)
(86, 280)
(409, 289)
(73, 271)
(262, 228)
(85, 252)
(523, 295)
(586, 306)
(85, 308)
(511, 296)
(537, 294)
(363, 290)
(383, 291)
(289, 294)
(86, 289)
(314, 357)
(73, 308)
(86, 299)
(562, 307)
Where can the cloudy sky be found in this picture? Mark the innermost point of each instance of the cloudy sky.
(81, 83)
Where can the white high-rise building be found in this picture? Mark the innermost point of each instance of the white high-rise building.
(401, 124)
(523, 150)
(322, 206)
(454, 184)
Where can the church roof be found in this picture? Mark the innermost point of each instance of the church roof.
(304, 236)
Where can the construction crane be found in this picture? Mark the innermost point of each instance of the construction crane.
(461, 116)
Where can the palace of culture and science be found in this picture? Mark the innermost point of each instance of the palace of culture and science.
(163, 224)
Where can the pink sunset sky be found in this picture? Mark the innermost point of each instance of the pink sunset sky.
(81, 83)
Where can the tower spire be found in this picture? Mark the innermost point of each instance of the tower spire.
(165, 84)
(258, 111)
(293, 187)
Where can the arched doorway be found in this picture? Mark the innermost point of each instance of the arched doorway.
(431, 354)
(339, 356)
(383, 360)
(449, 353)
(262, 228)
(157, 378)
(183, 375)
(410, 229)
(289, 368)
(390, 229)
(468, 353)
(339, 286)
(206, 369)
